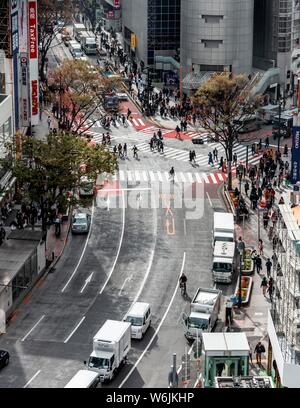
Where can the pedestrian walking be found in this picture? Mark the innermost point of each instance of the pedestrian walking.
(266, 220)
(215, 153)
(259, 349)
(258, 264)
(49, 122)
(190, 156)
(246, 187)
(261, 247)
(125, 150)
(210, 159)
(235, 159)
(267, 142)
(264, 285)
(286, 150)
(270, 288)
(194, 156)
(268, 266)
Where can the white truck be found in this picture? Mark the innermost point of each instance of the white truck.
(111, 345)
(204, 311)
(224, 261)
(88, 43)
(223, 227)
(77, 29)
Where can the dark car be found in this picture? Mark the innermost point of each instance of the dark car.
(4, 358)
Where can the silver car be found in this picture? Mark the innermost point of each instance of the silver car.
(81, 223)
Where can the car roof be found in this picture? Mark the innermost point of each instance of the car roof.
(80, 215)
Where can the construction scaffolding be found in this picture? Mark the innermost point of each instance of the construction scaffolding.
(4, 27)
(285, 308)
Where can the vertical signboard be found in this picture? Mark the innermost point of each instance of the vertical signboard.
(33, 61)
(24, 64)
(116, 3)
(295, 168)
(15, 51)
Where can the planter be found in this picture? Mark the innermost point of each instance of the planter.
(247, 283)
(248, 263)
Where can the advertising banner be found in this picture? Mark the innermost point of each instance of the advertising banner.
(23, 26)
(295, 167)
(15, 50)
(116, 3)
(33, 61)
(24, 89)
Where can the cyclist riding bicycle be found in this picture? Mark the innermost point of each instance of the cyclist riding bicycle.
(182, 283)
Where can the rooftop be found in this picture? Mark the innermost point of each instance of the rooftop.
(244, 382)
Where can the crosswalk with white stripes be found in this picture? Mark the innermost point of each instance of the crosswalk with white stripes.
(132, 122)
(201, 159)
(137, 176)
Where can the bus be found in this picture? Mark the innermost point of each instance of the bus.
(84, 379)
(247, 123)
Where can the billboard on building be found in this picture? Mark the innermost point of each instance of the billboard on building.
(33, 61)
(15, 51)
(295, 168)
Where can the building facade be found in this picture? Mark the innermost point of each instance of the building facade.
(216, 36)
(151, 33)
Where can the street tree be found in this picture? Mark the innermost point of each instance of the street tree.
(50, 171)
(53, 15)
(223, 103)
(89, 10)
(81, 90)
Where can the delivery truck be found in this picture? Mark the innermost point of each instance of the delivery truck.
(111, 345)
(88, 43)
(204, 311)
(223, 227)
(77, 29)
(224, 261)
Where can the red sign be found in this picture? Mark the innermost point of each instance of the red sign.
(32, 29)
(34, 97)
(117, 3)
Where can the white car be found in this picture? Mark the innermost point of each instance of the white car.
(81, 223)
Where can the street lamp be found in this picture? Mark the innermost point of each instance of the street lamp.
(241, 247)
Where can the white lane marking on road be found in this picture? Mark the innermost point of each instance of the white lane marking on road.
(220, 176)
(120, 244)
(152, 177)
(129, 175)
(159, 176)
(122, 175)
(88, 280)
(135, 122)
(208, 197)
(83, 251)
(32, 378)
(71, 334)
(205, 178)
(213, 178)
(137, 176)
(141, 122)
(158, 328)
(190, 177)
(144, 174)
(151, 256)
(199, 180)
(31, 330)
(167, 176)
(127, 279)
(182, 177)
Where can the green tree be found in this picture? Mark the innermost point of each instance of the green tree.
(82, 89)
(222, 102)
(52, 169)
(49, 12)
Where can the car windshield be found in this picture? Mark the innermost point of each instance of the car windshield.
(196, 323)
(81, 221)
(97, 362)
(135, 321)
(87, 186)
(222, 267)
(224, 239)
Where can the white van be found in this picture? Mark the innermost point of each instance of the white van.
(139, 315)
(84, 379)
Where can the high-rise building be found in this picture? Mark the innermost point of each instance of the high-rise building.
(216, 36)
(151, 32)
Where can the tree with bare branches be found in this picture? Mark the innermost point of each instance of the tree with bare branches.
(81, 89)
(223, 103)
(49, 13)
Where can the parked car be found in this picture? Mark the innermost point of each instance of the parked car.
(81, 223)
(4, 358)
(122, 96)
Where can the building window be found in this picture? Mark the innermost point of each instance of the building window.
(212, 19)
(212, 43)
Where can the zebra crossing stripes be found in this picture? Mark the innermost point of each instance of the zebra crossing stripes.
(137, 176)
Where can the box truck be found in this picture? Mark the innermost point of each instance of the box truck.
(224, 261)
(77, 29)
(204, 311)
(88, 43)
(111, 345)
(223, 227)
